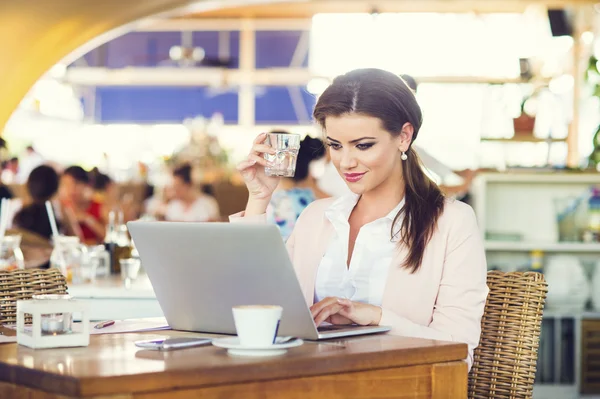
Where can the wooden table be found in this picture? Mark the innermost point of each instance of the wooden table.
(378, 366)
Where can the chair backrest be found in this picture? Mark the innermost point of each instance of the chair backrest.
(504, 363)
(23, 284)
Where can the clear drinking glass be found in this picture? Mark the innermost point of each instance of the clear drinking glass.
(283, 162)
(11, 256)
(67, 256)
(129, 270)
(98, 261)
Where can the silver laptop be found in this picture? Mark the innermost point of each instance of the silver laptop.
(199, 271)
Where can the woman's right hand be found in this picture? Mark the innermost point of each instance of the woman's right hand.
(260, 186)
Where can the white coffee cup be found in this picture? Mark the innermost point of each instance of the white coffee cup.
(257, 325)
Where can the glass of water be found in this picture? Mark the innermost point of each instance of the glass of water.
(129, 270)
(283, 162)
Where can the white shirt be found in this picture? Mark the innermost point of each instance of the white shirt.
(364, 281)
(203, 209)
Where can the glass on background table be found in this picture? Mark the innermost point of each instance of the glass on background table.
(130, 269)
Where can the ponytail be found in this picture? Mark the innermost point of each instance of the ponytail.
(423, 205)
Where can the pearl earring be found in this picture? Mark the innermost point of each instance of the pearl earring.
(404, 157)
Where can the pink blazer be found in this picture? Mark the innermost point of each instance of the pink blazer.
(443, 301)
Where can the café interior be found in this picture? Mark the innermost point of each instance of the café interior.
(114, 112)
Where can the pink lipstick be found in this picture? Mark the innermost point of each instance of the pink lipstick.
(353, 177)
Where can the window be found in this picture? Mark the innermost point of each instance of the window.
(442, 46)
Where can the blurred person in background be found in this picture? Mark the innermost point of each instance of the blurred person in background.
(295, 193)
(42, 185)
(79, 207)
(153, 207)
(190, 204)
(105, 190)
(27, 163)
(10, 169)
(155, 204)
(5, 191)
(32, 221)
(106, 193)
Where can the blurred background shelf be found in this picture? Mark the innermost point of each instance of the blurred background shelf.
(521, 246)
(564, 314)
(518, 139)
(540, 176)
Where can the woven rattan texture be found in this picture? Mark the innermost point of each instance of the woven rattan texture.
(22, 284)
(505, 360)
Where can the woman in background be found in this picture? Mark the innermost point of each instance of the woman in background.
(295, 193)
(32, 221)
(189, 204)
(42, 185)
(82, 213)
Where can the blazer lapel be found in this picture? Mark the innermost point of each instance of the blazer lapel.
(394, 281)
(313, 259)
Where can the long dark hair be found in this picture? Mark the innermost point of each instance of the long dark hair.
(311, 149)
(385, 96)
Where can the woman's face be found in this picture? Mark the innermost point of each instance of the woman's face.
(365, 155)
(71, 190)
(180, 188)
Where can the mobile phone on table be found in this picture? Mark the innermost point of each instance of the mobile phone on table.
(167, 344)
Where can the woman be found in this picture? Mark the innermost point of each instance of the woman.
(81, 213)
(296, 193)
(189, 204)
(395, 252)
(42, 185)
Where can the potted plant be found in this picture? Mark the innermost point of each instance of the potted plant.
(592, 76)
(525, 122)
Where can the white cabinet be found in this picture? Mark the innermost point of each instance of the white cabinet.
(522, 205)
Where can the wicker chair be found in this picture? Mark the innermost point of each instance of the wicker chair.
(23, 284)
(505, 362)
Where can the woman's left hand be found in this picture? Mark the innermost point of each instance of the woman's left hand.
(343, 311)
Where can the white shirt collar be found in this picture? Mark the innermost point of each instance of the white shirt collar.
(339, 211)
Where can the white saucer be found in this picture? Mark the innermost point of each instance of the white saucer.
(232, 344)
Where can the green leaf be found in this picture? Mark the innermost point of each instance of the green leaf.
(593, 64)
(592, 68)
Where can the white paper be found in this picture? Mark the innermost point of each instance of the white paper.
(133, 325)
(120, 326)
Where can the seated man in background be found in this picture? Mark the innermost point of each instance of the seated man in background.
(83, 213)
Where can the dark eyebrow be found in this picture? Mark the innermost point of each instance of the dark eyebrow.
(353, 141)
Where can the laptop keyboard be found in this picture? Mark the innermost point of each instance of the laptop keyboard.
(334, 327)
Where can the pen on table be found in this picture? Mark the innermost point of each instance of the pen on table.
(103, 324)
